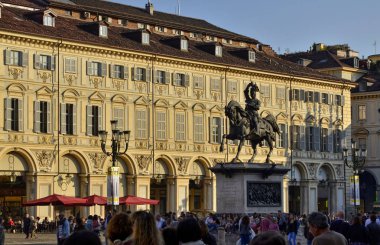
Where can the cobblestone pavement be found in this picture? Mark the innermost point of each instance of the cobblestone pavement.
(42, 238)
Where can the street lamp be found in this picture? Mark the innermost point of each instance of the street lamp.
(358, 157)
(116, 142)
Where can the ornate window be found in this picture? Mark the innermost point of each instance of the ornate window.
(94, 120)
(362, 112)
(68, 118)
(161, 125)
(141, 123)
(13, 114)
(180, 126)
(42, 117)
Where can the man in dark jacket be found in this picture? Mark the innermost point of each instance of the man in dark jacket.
(339, 225)
(26, 226)
(373, 231)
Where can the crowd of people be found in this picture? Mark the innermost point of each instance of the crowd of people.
(143, 228)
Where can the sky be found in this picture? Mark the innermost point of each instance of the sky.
(287, 25)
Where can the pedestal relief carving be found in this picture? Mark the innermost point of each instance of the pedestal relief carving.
(118, 84)
(182, 163)
(45, 160)
(180, 146)
(199, 148)
(44, 75)
(141, 86)
(70, 78)
(98, 160)
(180, 91)
(161, 89)
(45, 139)
(94, 142)
(15, 138)
(198, 93)
(96, 81)
(161, 145)
(15, 72)
(142, 144)
(67, 140)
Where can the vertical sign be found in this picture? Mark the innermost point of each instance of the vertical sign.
(113, 186)
(354, 190)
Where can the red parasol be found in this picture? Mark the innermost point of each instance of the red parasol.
(134, 200)
(57, 200)
(95, 200)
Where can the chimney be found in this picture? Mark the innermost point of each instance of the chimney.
(149, 8)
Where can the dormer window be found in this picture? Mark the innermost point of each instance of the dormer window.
(356, 63)
(145, 38)
(49, 20)
(103, 31)
(218, 51)
(184, 45)
(251, 56)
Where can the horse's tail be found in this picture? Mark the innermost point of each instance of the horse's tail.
(272, 121)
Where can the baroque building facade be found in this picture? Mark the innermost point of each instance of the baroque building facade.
(70, 68)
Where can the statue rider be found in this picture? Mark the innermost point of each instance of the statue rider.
(252, 105)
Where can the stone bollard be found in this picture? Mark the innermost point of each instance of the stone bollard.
(221, 236)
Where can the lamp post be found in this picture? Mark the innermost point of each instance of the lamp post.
(113, 172)
(358, 157)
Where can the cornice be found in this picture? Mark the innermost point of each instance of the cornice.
(146, 57)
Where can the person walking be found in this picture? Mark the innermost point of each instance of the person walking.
(63, 231)
(357, 234)
(33, 227)
(373, 229)
(2, 232)
(292, 229)
(145, 231)
(319, 228)
(26, 225)
(244, 230)
(340, 225)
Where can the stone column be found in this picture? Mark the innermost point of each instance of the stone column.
(142, 189)
(31, 191)
(333, 196)
(208, 194)
(313, 196)
(304, 195)
(84, 190)
(182, 194)
(285, 187)
(131, 180)
(377, 197)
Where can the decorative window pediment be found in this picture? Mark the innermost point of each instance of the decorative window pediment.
(310, 119)
(181, 105)
(161, 103)
(325, 121)
(216, 109)
(97, 96)
(361, 131)
(281, 117)
(142, 101)
(119, 99)
(70, 94)
(199, 107)
(44, 91)
(338, 123)
(265, 113)
(297, 119)
(16, 89)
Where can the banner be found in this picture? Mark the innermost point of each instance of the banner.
(113, 186)
(354, 190)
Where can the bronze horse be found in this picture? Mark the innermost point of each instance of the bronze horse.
(240, 130)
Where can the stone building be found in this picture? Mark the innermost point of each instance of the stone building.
(69, 67)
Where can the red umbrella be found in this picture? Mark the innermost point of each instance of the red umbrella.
(134, 200)
(96, 200)
(57, 200)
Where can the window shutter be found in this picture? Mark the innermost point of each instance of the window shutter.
(89, 120)
(291, 136)
(52, 63)
(148, 75)
(155, 79)
(187, 80)
(126, 72)
(342, 102)
(24, 58)
(286, 137)
(302, 138)
(20, 115)
(221, 130)
(48, 116)
(74, 119)
(7, 57)
(8, 114)
(302, 95)
(291, 94)
(37, 64)
(37, 117)
(100, 122)
(67, 63)
(330, 140)
(174, 78)
(63, 118)
(167, 77)
(134, 73)
(112, 71)
(317, 139)
(317, 97)
(210, 129)
(103, 70)
(89, 68)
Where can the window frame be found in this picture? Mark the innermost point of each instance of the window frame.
(362, 112)
(161, 123)
(218, 51)
(141, 124)
(103, 31)
(180, 126)
(145, 38)
(48, 20)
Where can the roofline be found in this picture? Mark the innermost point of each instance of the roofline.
(336, 81)
(152, 21)
(344, 68)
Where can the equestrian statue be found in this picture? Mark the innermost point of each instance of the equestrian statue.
(248, 125)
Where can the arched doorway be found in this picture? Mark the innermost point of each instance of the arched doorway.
(68, 182)
(197, 174)
(324, 175)
(295, 190)
(158, 185)
(13, 185)
(367, 185)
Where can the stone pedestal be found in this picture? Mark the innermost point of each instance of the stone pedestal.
(249, 188)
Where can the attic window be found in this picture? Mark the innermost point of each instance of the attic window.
(230, 41)
(108, 19)
(103, 31)
(49, 20)
(160, 29)
(356, 63)
(251, 56)
(145, 38)
(218, 51)
(122, 22)
(184, 45)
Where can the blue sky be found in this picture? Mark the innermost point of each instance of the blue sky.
(288, 24)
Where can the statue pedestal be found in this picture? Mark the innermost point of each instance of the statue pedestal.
(249, 188)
